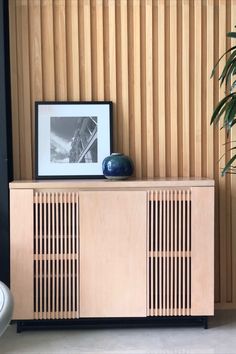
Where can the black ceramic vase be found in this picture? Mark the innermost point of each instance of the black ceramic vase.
(117, 166)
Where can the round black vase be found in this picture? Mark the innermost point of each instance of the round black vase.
(117, 166)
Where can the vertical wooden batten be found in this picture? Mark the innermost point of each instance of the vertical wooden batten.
(59, 21)
(149, 87)
(48, 54)
(72, 41)
(161, 88)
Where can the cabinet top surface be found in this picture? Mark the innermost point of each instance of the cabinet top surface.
(110, 184)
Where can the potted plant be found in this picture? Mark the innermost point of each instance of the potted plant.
(226, 108)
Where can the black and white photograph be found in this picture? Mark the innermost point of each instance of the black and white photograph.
(72, 138)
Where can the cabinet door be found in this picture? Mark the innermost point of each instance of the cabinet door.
(202, 295)
(21, 247)
(113, 254)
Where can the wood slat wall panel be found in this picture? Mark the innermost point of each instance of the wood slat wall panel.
(153, 59)
(48, 54)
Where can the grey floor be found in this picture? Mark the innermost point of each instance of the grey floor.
(219, 338)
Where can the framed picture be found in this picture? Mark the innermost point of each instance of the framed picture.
(72, 139)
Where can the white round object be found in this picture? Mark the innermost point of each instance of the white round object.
(6, 307)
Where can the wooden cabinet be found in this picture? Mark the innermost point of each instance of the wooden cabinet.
(112, 249)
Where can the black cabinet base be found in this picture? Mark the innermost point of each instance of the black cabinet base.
(86, 323)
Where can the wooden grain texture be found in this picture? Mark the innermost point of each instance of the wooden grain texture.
(60, 50)
(48, 51)
(72, 41)
(153, 59)
(113, 254)
(22, 276)
(202, 251)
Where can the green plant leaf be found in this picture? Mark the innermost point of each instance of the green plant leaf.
(220, 109)
(229, 112)
(228, 165)
(231, 34)
(232, 113)
(228, 72)
(228, 64)
(233, 123)
(227, 51)
(228, 116)
(233, 85)
(227, 75)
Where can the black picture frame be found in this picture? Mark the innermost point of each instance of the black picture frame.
(72, 138)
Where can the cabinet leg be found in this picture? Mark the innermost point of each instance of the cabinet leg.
(205, 322)
(18, 327)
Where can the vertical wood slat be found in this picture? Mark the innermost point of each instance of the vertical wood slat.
(172, 260)
(197, 89)
(180, 236)
(36, 238)
(148, 260)
(77, 257)
(164, 253)
(161, 89)
(24, 95)
(184, 247)
(112, 65)
(173, 89)
(175, 248)
(72, 46)
(44, 253)
(57, 260)
(60, 49)
(137, 87)
(61, 267)
(185, 87)
(167, 257)
(40, 258)
(188, 233)
(160, 258)
(66, 255)
(69, 257)
(149, 88)
(151, 253)
(124, 76)
(157, 240)
(76, 254)
(53, 252)
(73, 252)
(87, 50)
(210, 86)
(100, 50)
(49, 274)
(48, 52)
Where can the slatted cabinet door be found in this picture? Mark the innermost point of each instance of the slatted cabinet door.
(113, 253)
(181, 252)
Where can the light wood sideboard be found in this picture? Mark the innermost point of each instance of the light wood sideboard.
(108, 249)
